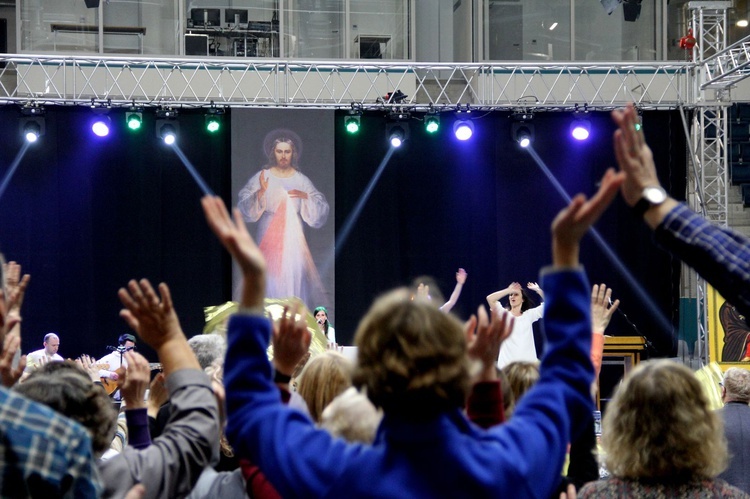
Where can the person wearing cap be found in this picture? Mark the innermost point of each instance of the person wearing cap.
(116, 358)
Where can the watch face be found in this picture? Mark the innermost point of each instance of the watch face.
(655, 195)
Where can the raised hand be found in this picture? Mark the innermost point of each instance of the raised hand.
(89, 366)
(153, 318)
(633, 155)
(461, 276)
(15, 286)
(9, 375)
(157, 395)
(423, 291)
(602, 307)
(237, 240)
(135, 380)
(485, 337)
(572, 222)
(263, 183)
(291, 340)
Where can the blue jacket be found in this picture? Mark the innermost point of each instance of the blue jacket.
(445, 457)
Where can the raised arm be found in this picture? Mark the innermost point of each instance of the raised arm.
(535, 287)
(602, 309)
(493, 298)
(720, 255)
(461, 276)
(170, 467)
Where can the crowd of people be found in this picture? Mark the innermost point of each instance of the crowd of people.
(430, 408)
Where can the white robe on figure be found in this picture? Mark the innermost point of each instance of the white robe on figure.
(280, 236)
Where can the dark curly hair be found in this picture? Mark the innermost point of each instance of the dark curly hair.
(412, 358)
(64, 387)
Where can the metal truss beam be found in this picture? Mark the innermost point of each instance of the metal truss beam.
(262, 82)
(707, 185)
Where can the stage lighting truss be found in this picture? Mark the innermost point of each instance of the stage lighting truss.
(580, 128)
(431, 123)
(134, 119)
(32, 123)
(522, 130)
(213, 120)
(352, 122)
(463, 129)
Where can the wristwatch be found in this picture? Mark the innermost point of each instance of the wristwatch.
(651, 196)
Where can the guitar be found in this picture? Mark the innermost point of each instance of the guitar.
(110, 385)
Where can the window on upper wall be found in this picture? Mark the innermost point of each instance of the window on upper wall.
(93, 26)
(541, 30)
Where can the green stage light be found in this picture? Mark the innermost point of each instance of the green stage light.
(352, 124)
(134, 119)
(213, 120)
(432, 124)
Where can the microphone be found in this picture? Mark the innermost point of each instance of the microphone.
(321, 321)
(111, 348)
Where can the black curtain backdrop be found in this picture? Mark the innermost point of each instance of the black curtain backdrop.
(83, 215)
(486, 206)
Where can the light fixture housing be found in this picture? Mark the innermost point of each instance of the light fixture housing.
(134, 119)
(213, 120)
(101, 125)
(523, 133)
(463, 129)
(352, 123)
(580, 129)
(32, 124)
(397, 132)
(432, 123)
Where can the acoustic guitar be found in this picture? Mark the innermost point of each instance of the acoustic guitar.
(110, 385)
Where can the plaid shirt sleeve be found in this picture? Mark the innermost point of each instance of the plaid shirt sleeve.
(720, 255)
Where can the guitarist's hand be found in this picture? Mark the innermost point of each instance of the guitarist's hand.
(135, 380)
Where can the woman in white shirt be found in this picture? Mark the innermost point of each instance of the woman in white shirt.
(520, 344)
(321, 316)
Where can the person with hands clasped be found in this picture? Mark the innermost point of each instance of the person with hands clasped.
(425, 447)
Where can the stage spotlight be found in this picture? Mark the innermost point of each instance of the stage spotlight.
(352, 123)
(134, 120)
(32, 131)
(463, 129)
(432, 123)
(397, 130)
(397, 136)
(523, 133)
(580, 129)
(213, 120)
(168, 134)
(32, 124)
(100, 126)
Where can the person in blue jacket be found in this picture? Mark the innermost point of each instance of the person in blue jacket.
(412, 363)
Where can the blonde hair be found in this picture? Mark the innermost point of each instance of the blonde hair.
(351, 416)
(659, 426)
(411, 357)
(324, 377)
(521, 376)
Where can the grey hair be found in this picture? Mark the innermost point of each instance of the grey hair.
(209, 348)
(737, 384)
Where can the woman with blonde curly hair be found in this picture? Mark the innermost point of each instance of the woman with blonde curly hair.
(661, 439)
